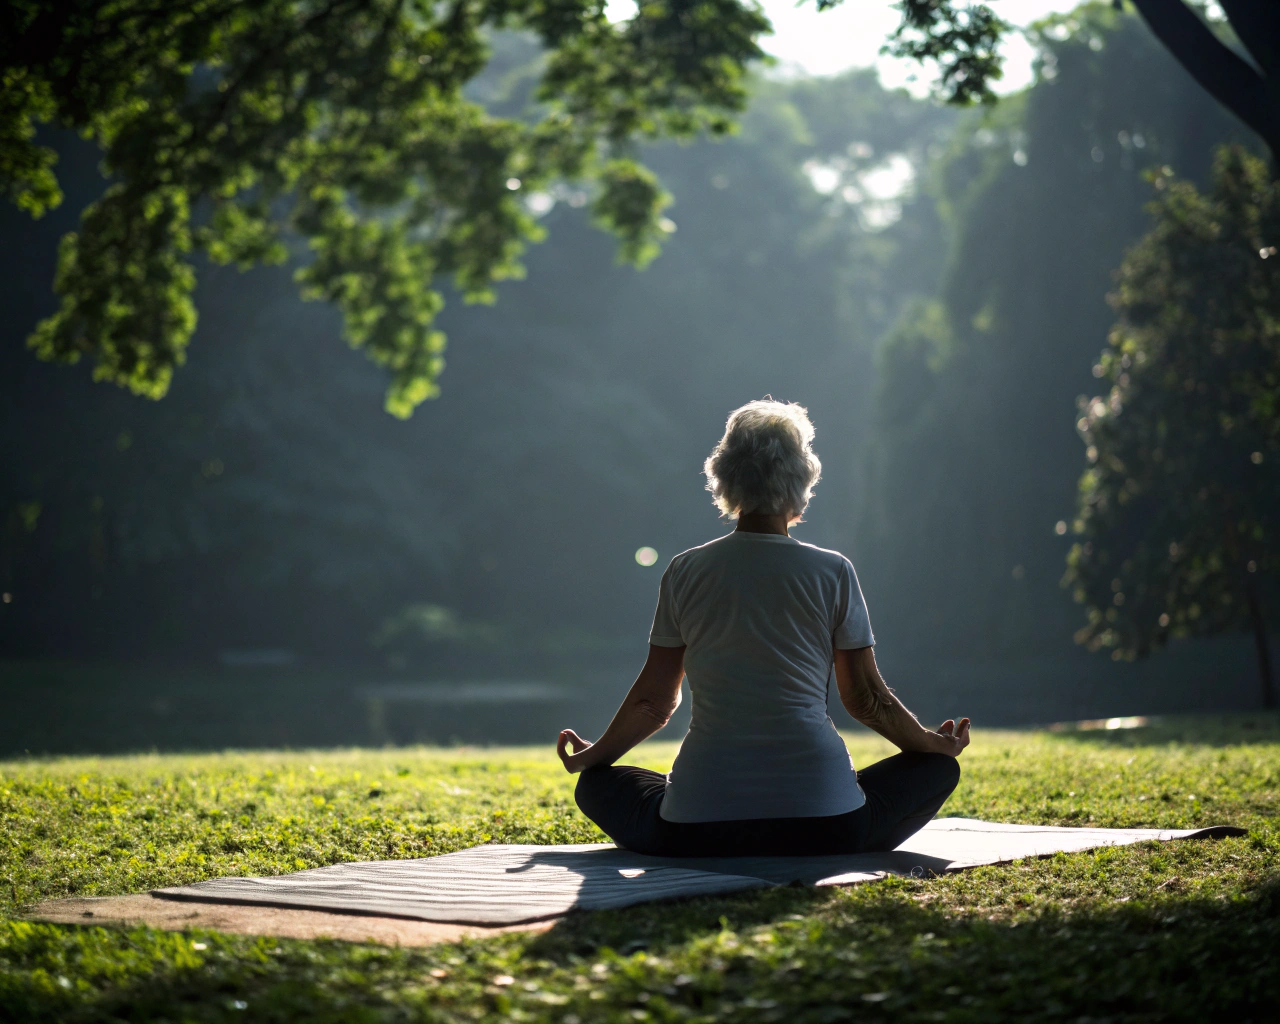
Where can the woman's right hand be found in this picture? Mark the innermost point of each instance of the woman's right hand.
(953, 738)
(572, 749)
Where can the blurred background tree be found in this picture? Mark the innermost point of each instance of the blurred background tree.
(973, 459)
(1178, 509)
(268, 502)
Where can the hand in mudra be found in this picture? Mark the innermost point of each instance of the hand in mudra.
(954, 737)
(571, 748)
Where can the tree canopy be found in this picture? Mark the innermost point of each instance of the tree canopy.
(339, 127)
(1180, 506)
(340, 133)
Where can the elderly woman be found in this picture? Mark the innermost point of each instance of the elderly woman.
(758, 620)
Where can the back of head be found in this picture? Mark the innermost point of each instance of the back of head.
(764, 463)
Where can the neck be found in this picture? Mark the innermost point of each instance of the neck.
(756, 522)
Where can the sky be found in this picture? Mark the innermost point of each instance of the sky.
(807, 41)
(851, 35)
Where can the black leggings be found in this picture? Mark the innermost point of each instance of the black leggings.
(903, 792)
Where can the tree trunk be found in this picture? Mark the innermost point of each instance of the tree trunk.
(1230, 79)
(1260, 640)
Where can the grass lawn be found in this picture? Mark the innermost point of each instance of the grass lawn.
(1152, 932)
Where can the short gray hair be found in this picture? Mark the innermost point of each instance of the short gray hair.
(764, 462)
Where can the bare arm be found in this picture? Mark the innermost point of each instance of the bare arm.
(648, 706)
(868, 699)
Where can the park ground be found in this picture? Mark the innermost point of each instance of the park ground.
(1153, 932)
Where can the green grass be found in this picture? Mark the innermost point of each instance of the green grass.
(1152, 932)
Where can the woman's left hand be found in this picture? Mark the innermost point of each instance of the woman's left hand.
(572, 749)
(954, 736)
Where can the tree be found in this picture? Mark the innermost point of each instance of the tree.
(961, 38)
(1179, 510)
(966, 383)
(338, 132)
(1251, 91)
(973, 457)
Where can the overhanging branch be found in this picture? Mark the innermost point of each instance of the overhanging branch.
(1227, 77)
(1257, 26)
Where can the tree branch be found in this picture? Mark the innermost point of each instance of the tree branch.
(1225, 76)
(1257, 26)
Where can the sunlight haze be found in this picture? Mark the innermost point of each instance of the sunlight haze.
(850, 36)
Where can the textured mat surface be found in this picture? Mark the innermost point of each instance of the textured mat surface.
(504, 885)
(262, 919)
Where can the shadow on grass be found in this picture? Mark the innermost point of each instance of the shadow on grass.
(1262, 727)
(874, 954)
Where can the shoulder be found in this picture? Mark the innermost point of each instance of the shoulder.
(695, 555)
(825, 557)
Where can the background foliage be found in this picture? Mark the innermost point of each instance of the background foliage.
(1177, 506)
(974, 460)
(295, 514)
(931, 283)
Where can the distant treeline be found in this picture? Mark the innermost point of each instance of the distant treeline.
(971, 474)
(940, 340)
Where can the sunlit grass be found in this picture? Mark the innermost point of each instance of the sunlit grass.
(1153, 932)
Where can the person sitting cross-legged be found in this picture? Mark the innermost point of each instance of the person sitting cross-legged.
(758, 621)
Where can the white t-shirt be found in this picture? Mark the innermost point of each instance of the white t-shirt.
(759, 614)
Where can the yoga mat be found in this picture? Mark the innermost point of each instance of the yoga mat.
(504, 885)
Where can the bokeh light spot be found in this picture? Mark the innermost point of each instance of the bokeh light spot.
(646, 556)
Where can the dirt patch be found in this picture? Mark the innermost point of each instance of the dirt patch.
(180, 915)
